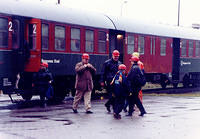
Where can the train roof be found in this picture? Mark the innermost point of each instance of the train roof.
(156, 29)
(56, 13)
(59, 13)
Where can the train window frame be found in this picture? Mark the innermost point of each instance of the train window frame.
(102, 41)
(75, 40)
(190, 48)
(3, 31)
(60, 40)
(89, 41)
(32, 36)
(46, 40)
(163, 46)
(183, 48)
(141, 44)
(130, 43)
(197, 49)
(15, 34)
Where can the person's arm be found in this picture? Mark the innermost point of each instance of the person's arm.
(80, 67)
(92, 68)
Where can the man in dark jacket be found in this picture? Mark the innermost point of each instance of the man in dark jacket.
(109, 69)
(84, 83)
(134, 78)
(41, 81)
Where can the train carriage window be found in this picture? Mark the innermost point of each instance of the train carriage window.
(183, 48)
(45, 37)
(32, 36)
(75, 39)
(130, 44)
(141, 44)
(102, 42)
(3, 33)
(197, 51)
(59, 38)
(16, 34)
(190, 48)
(163, 47)
(89, 41)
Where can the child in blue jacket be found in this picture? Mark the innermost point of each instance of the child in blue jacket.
(120, 90)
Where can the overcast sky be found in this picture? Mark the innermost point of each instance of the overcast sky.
(160, 11)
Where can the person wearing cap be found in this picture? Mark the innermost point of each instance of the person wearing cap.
(141, 65)
(41, 82)
(134, 77)
(121, 89)
(84, 83)
(109, 69)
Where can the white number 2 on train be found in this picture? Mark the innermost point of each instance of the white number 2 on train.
(34, 28)
(10, 26)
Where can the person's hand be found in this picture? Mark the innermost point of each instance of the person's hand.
(102, 84)
(89, 65)
(85, 65)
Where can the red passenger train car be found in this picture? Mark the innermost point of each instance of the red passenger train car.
(34, 32)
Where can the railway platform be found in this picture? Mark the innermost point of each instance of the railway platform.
(168, 116)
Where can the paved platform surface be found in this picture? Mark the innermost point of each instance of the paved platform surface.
(169, 117)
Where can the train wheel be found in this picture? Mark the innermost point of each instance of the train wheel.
(27, 97)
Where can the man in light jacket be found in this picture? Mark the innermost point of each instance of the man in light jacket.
(84, 83)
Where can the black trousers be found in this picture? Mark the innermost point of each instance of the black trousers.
(111, 98)
(118, 104)
(42, 92)
(134, 99)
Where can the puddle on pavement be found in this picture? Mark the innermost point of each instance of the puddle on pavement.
(33, 129)
(20, 121)
(195, 109)
(31, 116)
(66, 122)
(164, 116)
(179, 107)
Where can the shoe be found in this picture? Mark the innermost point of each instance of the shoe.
(119, 116)
(108, 108)
(75, 111)
(89, 112)
(115, 115)
(142, 113)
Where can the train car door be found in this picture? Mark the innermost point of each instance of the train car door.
(17, 28)
(116, 42)
(33, 38)
(176, 60)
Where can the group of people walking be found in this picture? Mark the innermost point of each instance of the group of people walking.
(123, 89)
(120, 87)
